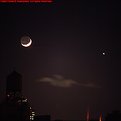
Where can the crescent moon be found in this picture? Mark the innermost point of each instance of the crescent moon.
(28, 44)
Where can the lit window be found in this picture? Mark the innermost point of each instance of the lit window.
(8, 95)
(25, 100)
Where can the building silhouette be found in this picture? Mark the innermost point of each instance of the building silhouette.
(15, 107)
(42, 118)
(114, 116)
(14, 85)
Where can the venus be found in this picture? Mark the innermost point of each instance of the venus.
(26, 41)
(103, 53)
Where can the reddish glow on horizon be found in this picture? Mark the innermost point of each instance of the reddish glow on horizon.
(88, 115)
(100, 118)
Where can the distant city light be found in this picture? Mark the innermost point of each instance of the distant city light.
(24, 100)
(100, 118)
(8, 95)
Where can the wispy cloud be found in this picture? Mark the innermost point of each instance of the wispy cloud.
(59, 81)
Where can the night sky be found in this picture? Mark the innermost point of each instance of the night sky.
(74, 62)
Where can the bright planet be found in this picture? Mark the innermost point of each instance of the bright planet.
(26, 41)
(103, 53)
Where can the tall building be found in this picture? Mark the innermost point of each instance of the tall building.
(14, 85)
(15, 107)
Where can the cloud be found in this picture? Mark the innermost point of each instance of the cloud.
(59, 81)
